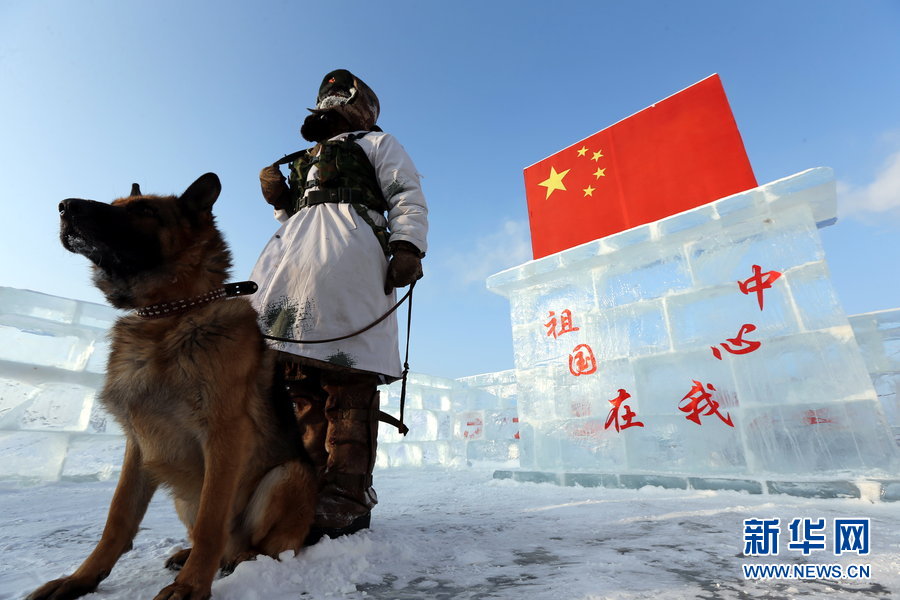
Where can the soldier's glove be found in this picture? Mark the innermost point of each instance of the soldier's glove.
(405, 266)
(274, 188)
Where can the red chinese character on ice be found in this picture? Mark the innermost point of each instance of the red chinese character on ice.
(759, 283)
(613, 418)
(563, 325)
(474, 427)
(582, 361)
(741, 346)
(701, 400)
(817, 416)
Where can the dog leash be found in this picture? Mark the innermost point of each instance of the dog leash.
(390, 311)
(402, 428)
(243, 288)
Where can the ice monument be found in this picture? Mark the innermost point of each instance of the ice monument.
(708, 343)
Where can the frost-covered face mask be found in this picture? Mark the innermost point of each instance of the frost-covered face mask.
(336, 95)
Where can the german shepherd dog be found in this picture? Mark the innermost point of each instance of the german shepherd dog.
(190, 381)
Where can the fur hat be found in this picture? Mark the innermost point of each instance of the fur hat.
(343, 92)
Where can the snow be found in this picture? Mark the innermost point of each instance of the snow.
(442, 533)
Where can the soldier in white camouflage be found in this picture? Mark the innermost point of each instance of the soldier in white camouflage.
(354, 225)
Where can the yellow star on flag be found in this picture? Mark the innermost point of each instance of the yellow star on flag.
(582, 151)
(599, 173)
(589, 191)
(554, 182)
(597, 155)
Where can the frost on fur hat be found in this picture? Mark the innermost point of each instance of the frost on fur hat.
(346, 94)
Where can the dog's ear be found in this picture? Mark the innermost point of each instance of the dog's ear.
(201, 194)
(135, 190)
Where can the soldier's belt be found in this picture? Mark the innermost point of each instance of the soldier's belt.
(336, 196)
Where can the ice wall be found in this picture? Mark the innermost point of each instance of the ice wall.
(878, 336)
(708, 343)
(452, 422)
(52, 360)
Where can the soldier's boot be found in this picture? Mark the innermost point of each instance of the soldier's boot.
(346, 497)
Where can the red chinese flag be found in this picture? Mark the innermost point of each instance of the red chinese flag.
(678, 154)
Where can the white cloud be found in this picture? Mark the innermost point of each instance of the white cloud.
(507, 247)
(879, 198)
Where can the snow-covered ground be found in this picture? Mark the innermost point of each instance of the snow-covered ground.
(460, 534)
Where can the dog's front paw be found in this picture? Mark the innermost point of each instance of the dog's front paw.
(183, 591)
(177, 560)
(65, 588)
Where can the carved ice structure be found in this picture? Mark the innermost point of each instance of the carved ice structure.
(451, 422)
(52, 359)
(53, 355)
(878, 336)
(658, 311)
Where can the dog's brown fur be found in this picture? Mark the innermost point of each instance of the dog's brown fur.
(192, 393)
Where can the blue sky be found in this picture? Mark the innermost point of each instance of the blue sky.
(96, 95)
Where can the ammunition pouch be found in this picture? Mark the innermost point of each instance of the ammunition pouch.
(345, 176)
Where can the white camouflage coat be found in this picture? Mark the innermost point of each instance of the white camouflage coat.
(322, 274)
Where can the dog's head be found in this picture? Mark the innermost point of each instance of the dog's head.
(141, 243)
